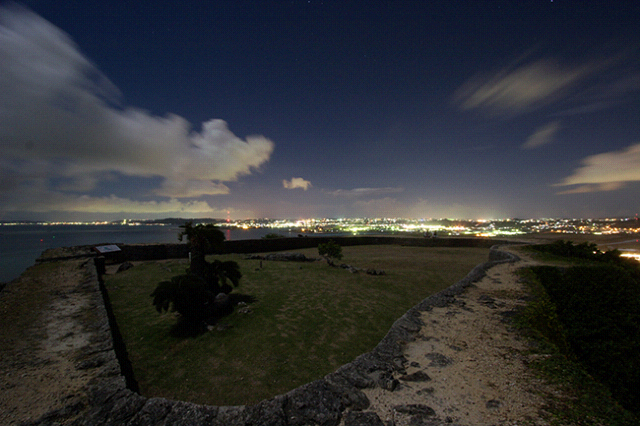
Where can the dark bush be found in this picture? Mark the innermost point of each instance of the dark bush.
(599, 307)
(330, 251)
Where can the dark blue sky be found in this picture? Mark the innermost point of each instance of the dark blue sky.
(474, 109)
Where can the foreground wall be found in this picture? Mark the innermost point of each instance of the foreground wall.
(336, 398)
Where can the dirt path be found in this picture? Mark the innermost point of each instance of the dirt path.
(468, 364)
(39, 343)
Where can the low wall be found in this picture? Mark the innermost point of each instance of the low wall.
(133, 252)
(335, 399)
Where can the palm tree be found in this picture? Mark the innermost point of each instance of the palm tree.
(218, 274)
(201, 296)
(200, 301)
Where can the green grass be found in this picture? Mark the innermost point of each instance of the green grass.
(308, 320)
(584, 401)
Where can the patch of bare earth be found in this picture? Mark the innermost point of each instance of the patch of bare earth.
(468, 364)
(42, 329)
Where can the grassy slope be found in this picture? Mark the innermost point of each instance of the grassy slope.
(309, 320)
(584, 401)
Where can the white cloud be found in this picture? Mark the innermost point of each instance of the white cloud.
(542, 136)
(364, 192)
(59, 119)
(515, 89)
(605, 172)
(529, 84)
(191, 188)
(296, 183)
(37, 198)
(600, 187)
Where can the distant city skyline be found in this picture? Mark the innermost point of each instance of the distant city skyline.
(303, 109)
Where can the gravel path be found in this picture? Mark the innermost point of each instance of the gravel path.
(468, 364)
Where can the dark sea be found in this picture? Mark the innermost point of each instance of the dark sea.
(21, 245)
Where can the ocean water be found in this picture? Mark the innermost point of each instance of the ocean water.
(21, 245)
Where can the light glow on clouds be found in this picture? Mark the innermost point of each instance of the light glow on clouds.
(605, 172)
(296, 182)
(364, 192)
(59, 119)
(573, 89)
(542, 136)
(517, 89)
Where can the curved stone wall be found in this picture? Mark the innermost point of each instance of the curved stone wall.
(336, 398)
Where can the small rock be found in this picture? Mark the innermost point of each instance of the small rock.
(427, 391)
(418, 376)
(124, 266)
(493, 404)
(418, 413)
(438, 360)
(223, 327)
(487, 301)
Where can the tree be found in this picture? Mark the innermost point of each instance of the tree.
(330, 251)
(202, 240)
(218, 274)
(200, 300)
(201, 296)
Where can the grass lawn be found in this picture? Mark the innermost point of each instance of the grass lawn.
(308, 320)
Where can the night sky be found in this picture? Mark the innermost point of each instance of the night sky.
(297, 109)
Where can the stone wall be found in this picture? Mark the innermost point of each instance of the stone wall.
(133, 252)
(335, 399)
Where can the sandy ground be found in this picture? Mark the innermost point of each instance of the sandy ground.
(39, 343)
(468, 364)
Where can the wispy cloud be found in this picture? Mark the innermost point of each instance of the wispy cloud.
(542, 136)
(60, 118)
(296, 183)
(364, 192)
(40, 199)
(605, 172)
(519, 88)
(527, 85)
(601, 187)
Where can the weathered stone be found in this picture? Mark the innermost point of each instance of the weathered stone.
(188, 414)
(315, 403)
(351, 375)
(93, 362)
(269, 412)
(153, 413)
(124, 266)
(363, 418)
(438, 360)
(284, 257)
(487, 300)
(415, 414)
(418, 376)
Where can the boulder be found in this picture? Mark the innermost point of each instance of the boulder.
(124, 266)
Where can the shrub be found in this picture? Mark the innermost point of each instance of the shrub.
(188, 295)
(272, 236)
(330, 251)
